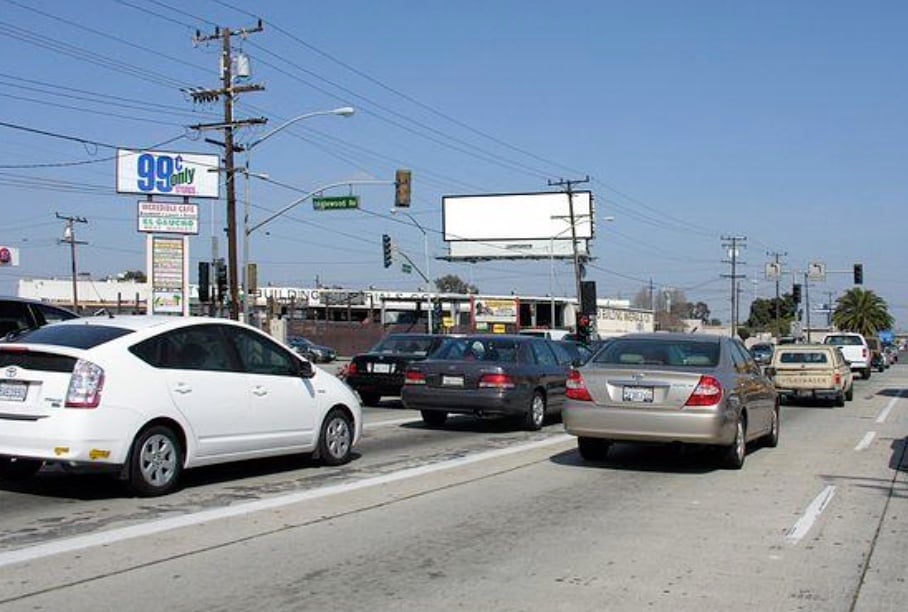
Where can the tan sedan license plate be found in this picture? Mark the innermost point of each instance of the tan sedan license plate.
(637, 394)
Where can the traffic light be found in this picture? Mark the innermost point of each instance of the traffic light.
(796, 293)
(858, 274)
(386, 249)
(588, 297)
(402, 189)
(221, 279)
(204, 281)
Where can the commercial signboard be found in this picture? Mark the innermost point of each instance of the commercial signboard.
(9, 256)
(168, 257)
(518, 225)
(167, 173)
(495, 310)
(168, 218)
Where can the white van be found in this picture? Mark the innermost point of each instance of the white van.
(551, 334)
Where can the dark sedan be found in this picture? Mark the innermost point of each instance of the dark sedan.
(381, 371)
(316, 353)
(518, 376)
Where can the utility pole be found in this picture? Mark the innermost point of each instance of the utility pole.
(776, 255)
(69, 236)
(229, 92)
(807, 303)
(829, 295)
(569, 190)
(732, 243)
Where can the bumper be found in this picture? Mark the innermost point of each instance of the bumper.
(467, 401)
(90, 437)
(690, 425)
(826, 394)
(382, 385)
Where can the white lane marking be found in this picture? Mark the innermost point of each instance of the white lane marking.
(810, 516)
(888, 408)
(866, 441)
(67, 545)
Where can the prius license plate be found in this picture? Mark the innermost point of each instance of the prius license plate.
(13, 391)
(638, 394)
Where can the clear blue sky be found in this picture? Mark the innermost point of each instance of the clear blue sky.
(781, 121)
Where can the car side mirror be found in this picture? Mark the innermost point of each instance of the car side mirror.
(305, 369)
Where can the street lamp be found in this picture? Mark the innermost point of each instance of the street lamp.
(425, 246)
(343, 111)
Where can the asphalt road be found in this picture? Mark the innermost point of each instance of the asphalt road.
(480, 516)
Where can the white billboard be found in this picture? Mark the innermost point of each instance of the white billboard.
(168, 218)
(516, 226)
(167, 173)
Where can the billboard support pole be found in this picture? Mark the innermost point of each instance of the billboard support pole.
(569, 190)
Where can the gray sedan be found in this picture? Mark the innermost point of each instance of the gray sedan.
(502, 375)
(671, 388)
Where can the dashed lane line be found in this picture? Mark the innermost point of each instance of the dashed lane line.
(810, 516)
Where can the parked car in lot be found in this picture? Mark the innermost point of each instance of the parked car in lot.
(811, 371)
(686, 388)
(316, 353)
(854, 348)
(500, 375)
(380, 372)
(20, 314)
(150, 396)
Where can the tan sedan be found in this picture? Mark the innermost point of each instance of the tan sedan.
(686, 388)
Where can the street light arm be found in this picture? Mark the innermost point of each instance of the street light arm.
(315, 191)
(344, 111)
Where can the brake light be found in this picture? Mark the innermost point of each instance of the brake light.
(864, 352)
(351, 369)
(496, 381)
(838, 379)
(85, 385)
(576, 387)
(414, 377)
(707, 393)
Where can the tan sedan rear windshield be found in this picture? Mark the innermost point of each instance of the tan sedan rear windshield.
(683, 353)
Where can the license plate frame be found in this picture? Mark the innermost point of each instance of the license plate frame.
(13, 390)
(635, 394)
(452, 381)
(382, 368)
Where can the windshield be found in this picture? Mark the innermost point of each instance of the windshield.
(409, 345)
(495, 350)
(75, 336)
(658, 352)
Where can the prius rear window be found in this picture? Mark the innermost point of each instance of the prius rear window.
(74, 336)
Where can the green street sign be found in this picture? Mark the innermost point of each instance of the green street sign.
(406, 268)
(336, 203)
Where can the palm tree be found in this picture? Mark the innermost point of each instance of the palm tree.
(862, 311)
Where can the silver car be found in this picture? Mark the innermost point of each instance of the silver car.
(686, 388)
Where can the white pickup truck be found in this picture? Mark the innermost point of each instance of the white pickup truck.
(811, 371)
(854, 348)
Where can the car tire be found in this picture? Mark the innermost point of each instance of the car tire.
(866, 373)
(335, 441)
(734, 454)
(593, 449)
(18, 468)
(536, 413)
(840, 400)
(772, 438)
(849, 395)
(370, 399)
(433, 418)
(155, 461)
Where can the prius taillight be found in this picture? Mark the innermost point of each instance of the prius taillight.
(85, 385)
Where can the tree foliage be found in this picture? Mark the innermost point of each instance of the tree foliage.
(451, 283)
(862, 311)
(763, 315)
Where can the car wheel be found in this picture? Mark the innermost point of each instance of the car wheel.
(840, 400)
(593, 449)
(434, 418)
(535, 416)
(733, 455)
(866, 373)
(772, 438)
(370, 399)
(155, 462)
(18, 468)
(849, 395)
(335, 443)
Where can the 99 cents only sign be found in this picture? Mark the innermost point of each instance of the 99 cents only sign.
(167, 173)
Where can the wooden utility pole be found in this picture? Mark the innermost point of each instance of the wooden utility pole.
(229, 92)
(733, 243)
(69, 237)
(569, 190)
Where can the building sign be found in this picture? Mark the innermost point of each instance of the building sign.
(168, 263)
(171, 174)
(494, 311)
(168, 218)
(9, 256)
